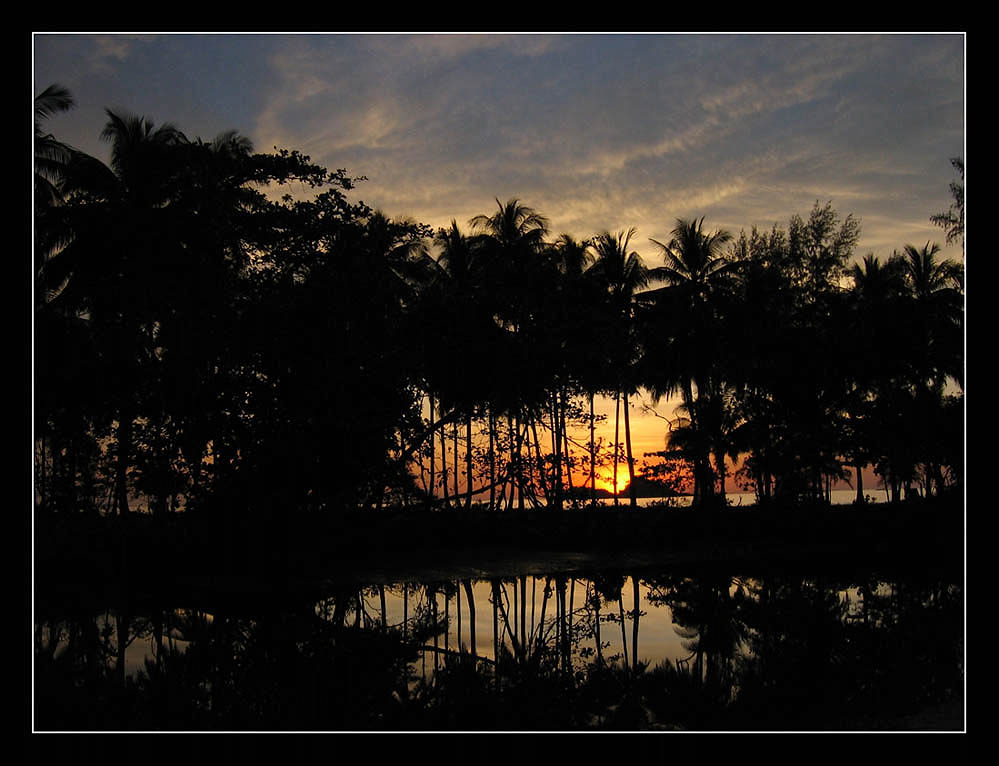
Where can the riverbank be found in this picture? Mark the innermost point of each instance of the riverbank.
(239, 557)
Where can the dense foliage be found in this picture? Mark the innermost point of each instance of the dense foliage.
(204, 339)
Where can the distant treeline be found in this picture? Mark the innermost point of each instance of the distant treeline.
(206, 340)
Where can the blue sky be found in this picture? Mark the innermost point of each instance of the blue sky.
(595, 131)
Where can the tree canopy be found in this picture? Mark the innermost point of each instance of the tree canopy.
(203, 342)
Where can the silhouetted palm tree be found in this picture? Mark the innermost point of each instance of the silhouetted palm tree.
(123, 232)
(623, 273)
(696, 270)
(935, 327)
(51, 158)
(512, 244)
(51, 155)
(456, 286)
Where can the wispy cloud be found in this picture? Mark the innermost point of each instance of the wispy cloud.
(111, 50)
(596, 131)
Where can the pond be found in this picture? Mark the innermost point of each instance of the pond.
(697, 651)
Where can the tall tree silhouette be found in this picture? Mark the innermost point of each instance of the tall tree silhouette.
(952, 221)
(123, 235)
(459, 335)
(623, 273)
(512, 245)
(697, 270)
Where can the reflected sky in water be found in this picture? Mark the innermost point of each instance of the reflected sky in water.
(608, 651)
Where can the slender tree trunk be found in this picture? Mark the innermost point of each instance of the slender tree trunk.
(512, 462)
(516, 612)
(567, 452)
(523, 610)
(563, 644)
(520, 469)
(593, 455)
(457, 496)
(447, 501)
(539, 462)
(499, 593)
(123, 626)
(624, 634)
(634, 626)
(544, 608)
(496, 653)
(433, 455)
(471, 616)
(617, 420)
(557, 437)
(631, 460)
(457, 597)
(722, 473)
(492, 460)
(572, 598)
(596, 623)
(432, 598)
(468, 459)
(121, 475)
(688, 400)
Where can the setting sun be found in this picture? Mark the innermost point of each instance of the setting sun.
(606, 481)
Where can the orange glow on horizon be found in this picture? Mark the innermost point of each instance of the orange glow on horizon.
(606, 481)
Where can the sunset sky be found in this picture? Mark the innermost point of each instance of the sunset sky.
(595, 131)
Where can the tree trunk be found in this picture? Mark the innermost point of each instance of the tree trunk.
(631, 460)
(492, 460)
(447, 501)
(496, 653)
(596, 623)
(624, 634)
(617, 421)
(121, 474)
(574, 494)
(523, 611)
(544, 608)
(123, 627)
(433, 455)
(432, 598)
(520, 469)
(468, 459)
(634, 628)
(557, 452)
(722, 474)
(539, 462)
(593, 456)
(512, 462)
(457, 597)
(457, 496)
(471, 615)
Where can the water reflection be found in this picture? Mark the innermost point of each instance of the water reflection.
(704, 652)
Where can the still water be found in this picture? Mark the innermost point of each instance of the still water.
(706, 651)
(737, 499)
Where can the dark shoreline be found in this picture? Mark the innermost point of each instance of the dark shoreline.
(178, 556)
